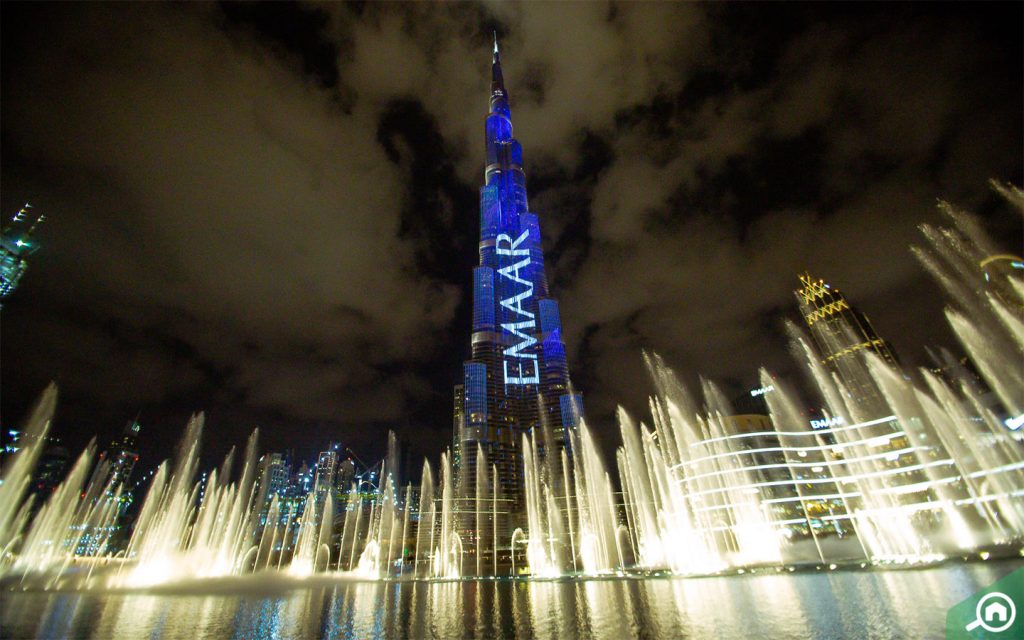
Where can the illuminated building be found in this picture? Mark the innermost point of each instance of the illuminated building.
(49, 473)
(900, 452)
(790, 471)
(122, 455)
(809, 482)
(841, 335)
(345, 475)
(275, 480)
(16, 244)
(458, 416)
(794, 476)
(271, 480)
(301, 482)
(325, 467)
(53, 462)
(113, 473)
(277, 474)
(323, 486)
(517, 380)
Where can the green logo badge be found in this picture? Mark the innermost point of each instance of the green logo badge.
(991, 612)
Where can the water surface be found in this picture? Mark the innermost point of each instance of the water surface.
(827, 604)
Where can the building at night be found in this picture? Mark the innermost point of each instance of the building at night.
(49, 473)
(113, 475)
(272, 479)
(51, 468)
(516, 381)
(121, 455)
(792, 476)
(871, 431)
(323, 485)
(458, 420)
(325, 468)
(841, 334)
(16, 244)
(345, 475)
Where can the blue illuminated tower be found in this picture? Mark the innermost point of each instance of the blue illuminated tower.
(16, 244)
(517, 379)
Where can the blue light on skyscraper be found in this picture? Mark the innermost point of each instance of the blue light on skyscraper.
(550, 321)
(475, 381)
(483, 299)
(572, 410)
(517, 373)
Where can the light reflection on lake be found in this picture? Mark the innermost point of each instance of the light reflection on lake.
(837, 604)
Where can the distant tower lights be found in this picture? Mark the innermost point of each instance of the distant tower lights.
(16, 244)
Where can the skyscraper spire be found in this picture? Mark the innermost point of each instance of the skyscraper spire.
(499, 97)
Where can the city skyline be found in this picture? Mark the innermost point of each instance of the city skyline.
(726, 333)
(164, 289)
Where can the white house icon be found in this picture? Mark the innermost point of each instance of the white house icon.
(994, 613)
(996, 610)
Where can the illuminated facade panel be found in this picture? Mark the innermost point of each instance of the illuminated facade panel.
(483, 299)
(571, 407)
(475, 392)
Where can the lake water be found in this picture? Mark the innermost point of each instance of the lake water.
(826, 604)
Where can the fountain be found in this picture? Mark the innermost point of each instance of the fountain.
(927, 471)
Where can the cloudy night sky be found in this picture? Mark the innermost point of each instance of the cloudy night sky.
(270, 211)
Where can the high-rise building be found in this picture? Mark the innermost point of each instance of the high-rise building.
(867, 429)
(49, 473)
(458, 421)
(346, 473)
(841, 335)
(517, 379)
(273, 480)
(301, 482)
(16, 244)
(325, 467)
(122, 454)
(113, 474)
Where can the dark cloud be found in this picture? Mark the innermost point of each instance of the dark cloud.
(223, 200)
(269, 210)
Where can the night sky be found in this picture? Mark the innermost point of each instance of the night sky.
(269, 211)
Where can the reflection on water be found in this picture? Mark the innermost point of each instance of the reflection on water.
(838, 604)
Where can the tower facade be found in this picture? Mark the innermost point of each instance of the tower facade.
(123, 453)
(326, 465)
(113, 474)
(841, 334)
(517, 378)
(16, 244)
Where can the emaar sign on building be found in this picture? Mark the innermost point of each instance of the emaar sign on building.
(524, 363)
